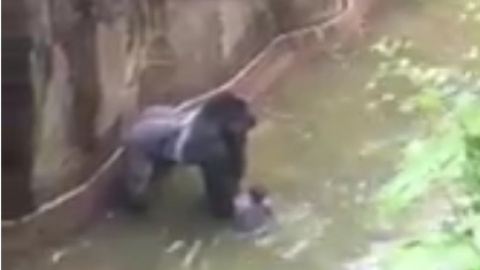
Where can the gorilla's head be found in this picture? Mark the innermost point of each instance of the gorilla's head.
(230, 112)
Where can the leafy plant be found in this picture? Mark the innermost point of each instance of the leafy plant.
(446, 155)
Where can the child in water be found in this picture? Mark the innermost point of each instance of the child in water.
(253, 211)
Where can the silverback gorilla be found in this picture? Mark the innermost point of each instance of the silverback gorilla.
(211, 134)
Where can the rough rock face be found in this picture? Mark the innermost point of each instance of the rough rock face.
(198, 44)
(87, 63)
(291, 14)
(17, 112)
(78, 68)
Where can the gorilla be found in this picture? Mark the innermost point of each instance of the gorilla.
(211, 134)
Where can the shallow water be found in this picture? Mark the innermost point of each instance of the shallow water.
(322, 147)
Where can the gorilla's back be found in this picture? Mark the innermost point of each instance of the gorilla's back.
(154, 136)
(162, 132)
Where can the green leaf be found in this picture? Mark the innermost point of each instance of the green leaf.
(427, 161)
(467, 110)
(434, 251)
(429, 100)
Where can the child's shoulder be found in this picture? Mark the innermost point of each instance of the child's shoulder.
(267, 201)
(243, 200)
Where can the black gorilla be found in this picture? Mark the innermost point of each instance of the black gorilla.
(211, 134)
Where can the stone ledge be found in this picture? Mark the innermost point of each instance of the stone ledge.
(63, 215)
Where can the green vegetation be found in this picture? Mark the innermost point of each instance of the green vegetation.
(443, 161)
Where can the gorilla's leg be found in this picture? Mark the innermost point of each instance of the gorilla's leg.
(220, 187)
(140, 171)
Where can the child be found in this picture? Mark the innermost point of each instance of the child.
(253, 211)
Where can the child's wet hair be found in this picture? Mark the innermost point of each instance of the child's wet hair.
(258, 193)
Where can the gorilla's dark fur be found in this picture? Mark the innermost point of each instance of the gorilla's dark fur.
(211, 134)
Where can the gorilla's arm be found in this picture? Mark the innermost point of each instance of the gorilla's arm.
(236, 144)
(235, 137)
(220, 186)
(221, 161)
(222, 172)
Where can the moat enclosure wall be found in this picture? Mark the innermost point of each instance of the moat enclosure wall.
(77, 70)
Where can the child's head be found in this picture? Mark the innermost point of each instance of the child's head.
(258, 193)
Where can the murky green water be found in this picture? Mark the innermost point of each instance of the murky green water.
(322, 147)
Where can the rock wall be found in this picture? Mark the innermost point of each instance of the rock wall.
(17, 112)
(291, 14)
(198, 44)
(94, 61)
